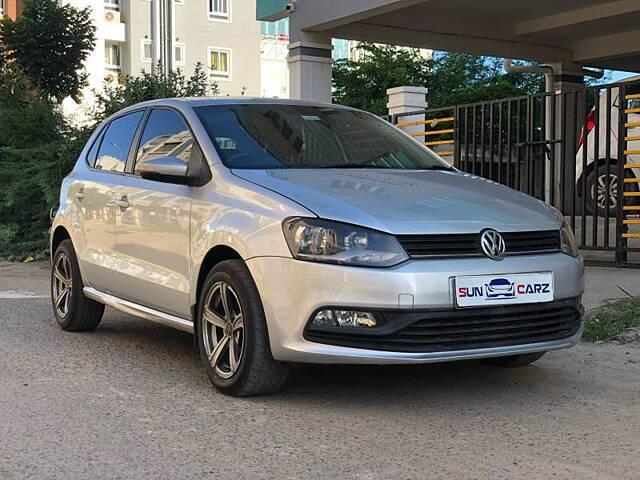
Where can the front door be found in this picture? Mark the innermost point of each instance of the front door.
(94, 193)
(152, 240)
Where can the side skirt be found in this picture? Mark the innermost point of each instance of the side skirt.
(139, 310)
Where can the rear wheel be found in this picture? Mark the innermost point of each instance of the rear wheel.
(73, 311)
(232, 334)
(514, 360)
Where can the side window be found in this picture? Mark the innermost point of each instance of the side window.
(165, 135)
(93, 151)
(116, 142)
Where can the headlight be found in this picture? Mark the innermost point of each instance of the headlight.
(568, 243)
(333, 242)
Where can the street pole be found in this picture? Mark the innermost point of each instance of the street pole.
(155, 36)
(170, 10)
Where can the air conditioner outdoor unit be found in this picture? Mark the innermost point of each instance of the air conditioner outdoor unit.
(112, 17)
(112, 77)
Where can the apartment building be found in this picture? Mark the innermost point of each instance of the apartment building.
(10, 8)
(223, 35)
(274, 51)
(274, 39)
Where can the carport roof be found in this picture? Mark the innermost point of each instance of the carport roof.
(596, 33)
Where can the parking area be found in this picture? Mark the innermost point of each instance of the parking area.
(131, 400)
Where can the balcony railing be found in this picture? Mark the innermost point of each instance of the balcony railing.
(112, 5)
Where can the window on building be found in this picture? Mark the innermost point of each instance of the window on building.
(340, 49)
(220, 10)
(112, 62)
(146, 48)
(2, 7)
(279, 29)
(180, 53)
(115, 145)
(147, 54)
(112, 5)
(219, 63)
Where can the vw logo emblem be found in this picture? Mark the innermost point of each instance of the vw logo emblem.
(492, 244)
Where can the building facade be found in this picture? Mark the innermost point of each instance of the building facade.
(222, 35)
(10, 8)
(274, 49)
(274, 39)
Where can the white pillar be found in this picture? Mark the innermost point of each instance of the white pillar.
(408, 99)
(310, 66)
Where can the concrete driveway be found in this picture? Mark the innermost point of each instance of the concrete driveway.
(130, 400)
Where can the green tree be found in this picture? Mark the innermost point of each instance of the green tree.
(37, 152)
(452, 78)
(150, 86)
(49, 43)
(364, 83)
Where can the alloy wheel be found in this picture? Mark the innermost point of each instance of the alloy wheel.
(223, 329)
(62, 285)
(599, 191)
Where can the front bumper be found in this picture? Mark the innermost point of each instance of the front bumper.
(291, 290)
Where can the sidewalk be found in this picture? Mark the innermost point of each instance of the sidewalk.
(601, 284)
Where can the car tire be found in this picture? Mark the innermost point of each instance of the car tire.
(73, 311)
(595, 189)
(232, 334)
(514, 360)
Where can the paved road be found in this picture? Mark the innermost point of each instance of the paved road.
(131, 401)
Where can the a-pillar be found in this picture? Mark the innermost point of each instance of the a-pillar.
(310, 66)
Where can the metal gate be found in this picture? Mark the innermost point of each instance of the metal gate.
(579, 151)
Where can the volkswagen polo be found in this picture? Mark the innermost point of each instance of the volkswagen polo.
(282, 232)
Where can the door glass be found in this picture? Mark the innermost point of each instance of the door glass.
(165, 135)
(116, 143)
(91, 155)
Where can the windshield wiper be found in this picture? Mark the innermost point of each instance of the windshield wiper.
(435, 167)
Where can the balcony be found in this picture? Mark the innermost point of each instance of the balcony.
(112, 27)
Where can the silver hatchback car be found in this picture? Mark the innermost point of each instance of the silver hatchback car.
(283, 232)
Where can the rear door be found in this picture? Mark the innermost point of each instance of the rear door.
(153, 230)
(95, 196)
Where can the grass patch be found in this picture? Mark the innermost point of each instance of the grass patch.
(604, 323)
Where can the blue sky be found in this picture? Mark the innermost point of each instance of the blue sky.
(617, 75)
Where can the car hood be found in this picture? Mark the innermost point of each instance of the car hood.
(408, 202)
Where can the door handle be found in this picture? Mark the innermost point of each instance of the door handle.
(80, 194)
(123, 202)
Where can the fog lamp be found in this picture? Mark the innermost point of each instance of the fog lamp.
(344, 318)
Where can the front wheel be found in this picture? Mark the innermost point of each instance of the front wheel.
(514, 360)
(232, 334)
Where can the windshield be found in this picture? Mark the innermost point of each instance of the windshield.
(264, 136)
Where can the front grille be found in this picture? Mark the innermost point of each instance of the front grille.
(463, 329)
(460, 245)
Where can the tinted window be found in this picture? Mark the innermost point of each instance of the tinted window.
(116, 143)
(165, 135)
(294, 136)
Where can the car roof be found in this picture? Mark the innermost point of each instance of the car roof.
(210, 101)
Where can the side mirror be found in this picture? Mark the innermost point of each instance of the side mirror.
(166, 170)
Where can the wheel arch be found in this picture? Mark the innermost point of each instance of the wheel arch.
(59, 235)
(213, 257)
